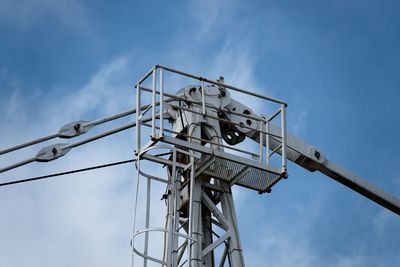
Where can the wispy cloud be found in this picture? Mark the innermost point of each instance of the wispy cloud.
(25, 14)
(75, 219)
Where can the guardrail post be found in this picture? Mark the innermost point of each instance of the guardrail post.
(161, 131)
(153, 106)
(284, 137)
(138, 116)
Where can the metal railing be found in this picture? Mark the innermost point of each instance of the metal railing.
(160, 97)
(172, 232)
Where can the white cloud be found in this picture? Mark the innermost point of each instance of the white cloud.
(276, 251)
(83, 220)
(207, 16)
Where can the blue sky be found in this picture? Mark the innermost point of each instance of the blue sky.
(335, 62)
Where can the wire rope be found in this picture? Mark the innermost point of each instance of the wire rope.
(66, 172)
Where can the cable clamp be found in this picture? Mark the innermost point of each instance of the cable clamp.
(52, 152)
(74, 129)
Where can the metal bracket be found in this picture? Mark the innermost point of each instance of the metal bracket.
(52, 152)
(316, 155)
(74, 129)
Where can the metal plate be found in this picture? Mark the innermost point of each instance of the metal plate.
(233, 172)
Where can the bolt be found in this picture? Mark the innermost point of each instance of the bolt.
(192, 90)
(246, 111)
(77, 126)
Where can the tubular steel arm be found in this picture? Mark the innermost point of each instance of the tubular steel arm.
(312, 159)
(70, 130)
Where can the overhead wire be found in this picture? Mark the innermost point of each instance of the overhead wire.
(30, 143)
(59, 134)
(76, 144)
(85, 124)
(66, 147)
(67, 172)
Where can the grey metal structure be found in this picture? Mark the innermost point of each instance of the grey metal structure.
(199, 127)
(192, 146)
(202, 126)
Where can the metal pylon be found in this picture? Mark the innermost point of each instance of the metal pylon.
(206, 194)
(200, 228)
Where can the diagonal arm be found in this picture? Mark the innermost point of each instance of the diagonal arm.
(312, 159)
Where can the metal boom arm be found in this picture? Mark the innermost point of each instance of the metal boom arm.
(312, 159)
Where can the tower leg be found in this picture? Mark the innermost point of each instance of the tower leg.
(207, 236)
(196, 224)
(195, 218)
(228, 210)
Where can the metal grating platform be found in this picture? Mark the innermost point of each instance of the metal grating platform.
(233, 172)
